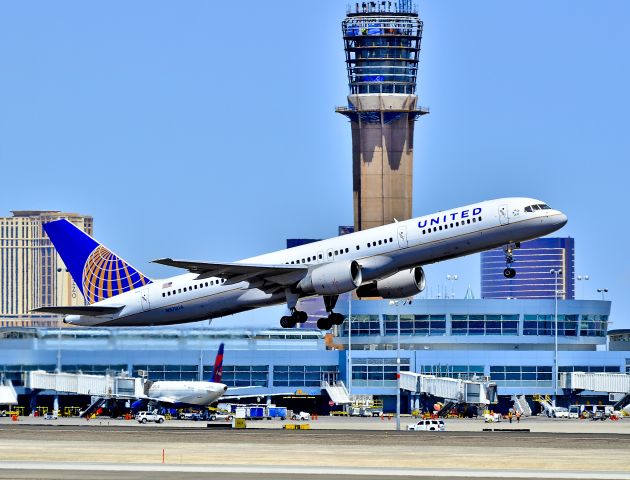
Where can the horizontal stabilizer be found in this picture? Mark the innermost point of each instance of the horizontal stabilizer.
(242, 271)
(89, 310)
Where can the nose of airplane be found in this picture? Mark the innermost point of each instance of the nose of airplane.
(561, 219)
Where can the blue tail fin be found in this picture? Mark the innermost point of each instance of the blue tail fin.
(98, 272)
(217, 371)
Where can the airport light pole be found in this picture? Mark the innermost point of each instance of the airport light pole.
(350, 345)
(603, 291)
(396, 302)
(556, 273)
(58, 369)
(582, 278)
(452, 278)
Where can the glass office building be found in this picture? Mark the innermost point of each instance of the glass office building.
(533, 263)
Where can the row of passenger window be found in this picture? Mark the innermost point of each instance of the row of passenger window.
(446, 226)
(338, 252)
(193, 287)
(540, 206)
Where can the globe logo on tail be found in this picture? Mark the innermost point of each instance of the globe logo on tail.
(105, 275)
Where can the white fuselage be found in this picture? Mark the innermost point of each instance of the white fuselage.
(381, 252)
(186, 392)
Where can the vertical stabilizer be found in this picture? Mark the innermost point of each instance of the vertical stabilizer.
(217, 370)
(98, 272)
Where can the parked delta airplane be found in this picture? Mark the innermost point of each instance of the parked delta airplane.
(174, 393)
(185, 393)
(382, 262)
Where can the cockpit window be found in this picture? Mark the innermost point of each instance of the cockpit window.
(540, 206)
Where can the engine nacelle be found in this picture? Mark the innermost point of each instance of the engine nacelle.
(332, 278)
(403, 284)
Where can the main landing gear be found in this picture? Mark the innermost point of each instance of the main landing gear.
(328, 322)
(297, 316)
(290, 321)
(333, 318)
(508, 250)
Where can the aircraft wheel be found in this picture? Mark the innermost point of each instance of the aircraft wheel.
(287, 322)
(509, 273)
(336, 318)
(300, 317)
(324, 324)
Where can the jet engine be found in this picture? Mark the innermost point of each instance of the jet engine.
(403, 284)
(332, 278)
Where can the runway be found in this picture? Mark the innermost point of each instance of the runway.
(188, 472)
(133, 452)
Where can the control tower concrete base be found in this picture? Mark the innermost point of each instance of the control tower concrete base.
(382, 156)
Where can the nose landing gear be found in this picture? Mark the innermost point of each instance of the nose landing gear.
(508, 250)
(509, 272)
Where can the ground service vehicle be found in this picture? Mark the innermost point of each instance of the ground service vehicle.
(144, 417)
(560, 412)
(577, 411)
(301, 416)
(427, 426)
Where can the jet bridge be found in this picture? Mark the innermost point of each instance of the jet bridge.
(450, 389)
(78, 383)
(596, 382)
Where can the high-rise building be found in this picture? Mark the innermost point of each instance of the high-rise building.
(31, 273)
(533, 263)
(382, 44)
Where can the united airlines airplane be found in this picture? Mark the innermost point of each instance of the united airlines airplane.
(381, 262)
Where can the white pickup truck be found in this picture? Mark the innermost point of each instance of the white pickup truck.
(144, 417)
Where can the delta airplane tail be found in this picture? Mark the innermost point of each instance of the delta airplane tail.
(217, 370)
(98, 272)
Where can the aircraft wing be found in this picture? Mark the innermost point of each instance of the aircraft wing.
(238, 272)
(255, 395)
(89, 310)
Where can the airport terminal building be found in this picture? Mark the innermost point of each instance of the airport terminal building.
(510, 342)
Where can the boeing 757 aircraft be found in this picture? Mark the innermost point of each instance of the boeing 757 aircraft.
(380, 262)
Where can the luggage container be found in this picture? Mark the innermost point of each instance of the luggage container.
(277, 412)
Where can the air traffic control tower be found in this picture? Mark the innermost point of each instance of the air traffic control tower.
(382, 44)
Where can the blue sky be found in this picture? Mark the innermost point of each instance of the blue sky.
(206, 130)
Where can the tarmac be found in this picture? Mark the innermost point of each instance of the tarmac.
(339, 447)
